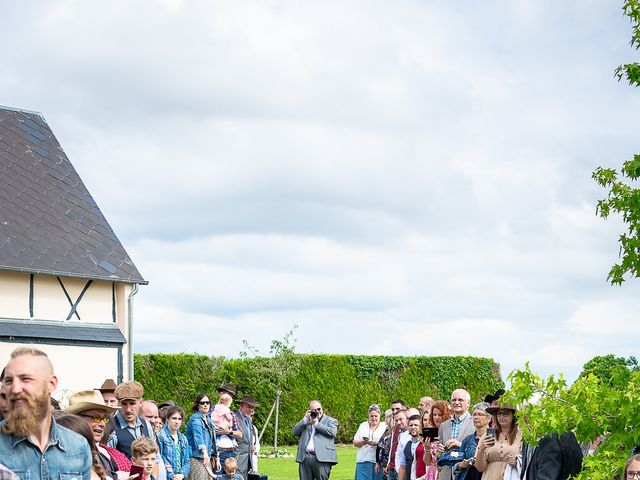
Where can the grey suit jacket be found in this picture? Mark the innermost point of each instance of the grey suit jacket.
(323, 440)
(244, 443)
(445, 434)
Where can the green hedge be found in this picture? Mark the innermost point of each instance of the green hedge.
(345, 384)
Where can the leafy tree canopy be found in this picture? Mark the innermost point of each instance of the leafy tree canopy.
(623, 198)
(593, 407)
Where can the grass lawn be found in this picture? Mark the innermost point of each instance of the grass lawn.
(287, 468)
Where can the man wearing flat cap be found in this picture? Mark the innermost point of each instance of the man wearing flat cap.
(246, 443)
(128, 425)
(89, 405)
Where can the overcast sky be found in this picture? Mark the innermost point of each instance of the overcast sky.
(402, 178)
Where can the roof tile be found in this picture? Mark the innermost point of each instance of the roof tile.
(48, 219)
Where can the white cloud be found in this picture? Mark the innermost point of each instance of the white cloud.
(381, 173)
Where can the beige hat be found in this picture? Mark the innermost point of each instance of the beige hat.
(129, 391)
(87, 400)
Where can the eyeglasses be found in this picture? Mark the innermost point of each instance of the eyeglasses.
(97, 418)
(632, 475)
(480, 415)
(204, 402)
(503, 413)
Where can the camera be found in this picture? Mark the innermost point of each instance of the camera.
(314, 413)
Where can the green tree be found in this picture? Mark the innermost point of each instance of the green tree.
(275, 370)
(623, 198)
(590, 407)
(610, 369)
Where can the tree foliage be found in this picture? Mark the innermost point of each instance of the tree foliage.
(623, 198)
(591, 407)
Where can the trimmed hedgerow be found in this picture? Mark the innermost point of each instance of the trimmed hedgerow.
(345, 384)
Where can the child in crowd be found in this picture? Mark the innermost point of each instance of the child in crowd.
(223, 420)
(143, 454)
(230, 470)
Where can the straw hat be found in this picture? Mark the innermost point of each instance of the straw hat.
(88, 400)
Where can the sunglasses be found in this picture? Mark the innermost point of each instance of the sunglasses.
(97, 418)
(204, 402)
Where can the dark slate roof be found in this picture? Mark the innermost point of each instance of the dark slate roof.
(49, 223)
(55, 332)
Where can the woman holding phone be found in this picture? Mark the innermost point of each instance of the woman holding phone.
(429, 446)
(366, 440)
(499, 448)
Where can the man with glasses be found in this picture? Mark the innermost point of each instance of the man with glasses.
(459, 426)
(127, 424)
(316, 448)
(89, 405)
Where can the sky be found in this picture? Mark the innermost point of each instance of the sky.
(394, 178)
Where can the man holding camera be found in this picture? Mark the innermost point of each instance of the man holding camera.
(316, 448)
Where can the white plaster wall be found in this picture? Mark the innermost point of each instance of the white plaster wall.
(77, 368)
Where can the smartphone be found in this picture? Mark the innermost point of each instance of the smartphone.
(491, 432)
(366, 439)
(431, 432)
(136, 470)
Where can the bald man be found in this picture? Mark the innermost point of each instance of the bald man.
(30, 437)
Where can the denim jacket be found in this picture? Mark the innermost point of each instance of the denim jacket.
(468, 450)
(67, 456)
(200, 435)
(168, 452)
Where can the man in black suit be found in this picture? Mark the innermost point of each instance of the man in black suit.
(547, 461)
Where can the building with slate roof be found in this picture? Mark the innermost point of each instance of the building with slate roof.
(66, 282)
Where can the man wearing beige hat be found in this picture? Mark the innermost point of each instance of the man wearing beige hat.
(128, 425)
(89, 405)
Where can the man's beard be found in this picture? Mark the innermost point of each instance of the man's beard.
(24, 420)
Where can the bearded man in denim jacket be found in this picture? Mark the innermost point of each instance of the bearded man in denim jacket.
(32, 444)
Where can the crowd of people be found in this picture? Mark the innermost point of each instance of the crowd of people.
(447, 440)
(113, 433)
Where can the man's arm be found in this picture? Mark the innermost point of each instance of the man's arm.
(299, 427)
(328, 429)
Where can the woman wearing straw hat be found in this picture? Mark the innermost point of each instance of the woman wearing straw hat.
(496, 452)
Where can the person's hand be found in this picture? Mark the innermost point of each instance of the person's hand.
(376, 469)
(440, 449)
(168, 467)
(485, 442)
(453, 443)
(217, 463)
(427, 442)
(206, 461)
(178, 476)
(463, 464)
(511, 459)
(308, 415)
(373, 443)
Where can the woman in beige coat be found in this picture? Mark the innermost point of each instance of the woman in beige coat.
(504, 448)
